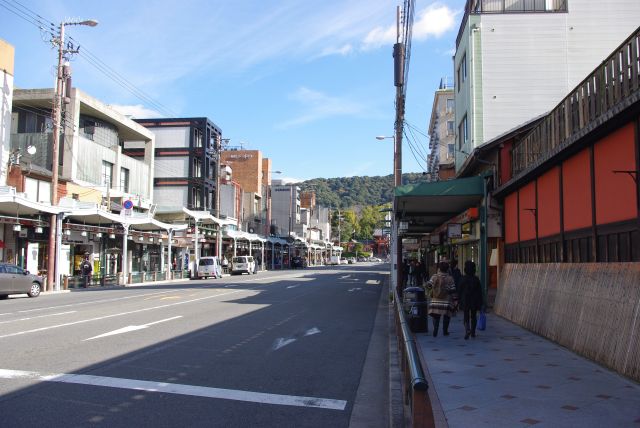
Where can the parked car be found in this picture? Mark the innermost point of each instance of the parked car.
(209, 267)
(15, 280)
(297, 262)
(243, 264)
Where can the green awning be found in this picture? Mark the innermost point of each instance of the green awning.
(425, 206)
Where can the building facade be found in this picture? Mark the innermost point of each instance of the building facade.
(285, 209)
(440, 162)
(515, 60)
(187, 163)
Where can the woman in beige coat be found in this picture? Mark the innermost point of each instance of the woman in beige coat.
(441, 285)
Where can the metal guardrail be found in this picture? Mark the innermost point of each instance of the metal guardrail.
(415, 385)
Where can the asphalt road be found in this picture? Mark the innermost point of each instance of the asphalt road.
(281, 349)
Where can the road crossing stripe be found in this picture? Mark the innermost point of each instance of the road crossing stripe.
(174, 388)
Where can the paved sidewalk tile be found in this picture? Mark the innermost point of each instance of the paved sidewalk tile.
(510, 377)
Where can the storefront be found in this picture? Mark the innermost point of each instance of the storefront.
(439, 220)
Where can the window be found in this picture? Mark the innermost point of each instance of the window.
(463, 132)
(450, 150)
(462, 71)
(450, 129)
(197, 138)
(450, 105)
(107, 172)
(197, 168)
(124, 179)
(89, 129)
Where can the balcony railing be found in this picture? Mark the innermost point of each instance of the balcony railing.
(611, 87)
(477, 7)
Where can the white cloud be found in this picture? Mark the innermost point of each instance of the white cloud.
(341, 51)
(432, 21)
(137, 111)
(321, 106)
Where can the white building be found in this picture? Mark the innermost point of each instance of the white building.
(517, 59)
(285, 208)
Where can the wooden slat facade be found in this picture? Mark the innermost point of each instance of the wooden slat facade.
(592, 309)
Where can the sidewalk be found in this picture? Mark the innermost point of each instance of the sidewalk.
(510, 377)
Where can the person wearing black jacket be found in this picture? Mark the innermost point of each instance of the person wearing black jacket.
(470, 293)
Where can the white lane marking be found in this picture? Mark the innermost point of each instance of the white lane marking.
(354, 289)
(314, 330)
(130, 328)
(293, 286)
(282, 342)
(168, 305)
(96, 301)
(372, 282)
(39, 316)
(345, 276)
(175, 388)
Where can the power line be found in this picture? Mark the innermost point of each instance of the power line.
(121, 80)
(47, 26)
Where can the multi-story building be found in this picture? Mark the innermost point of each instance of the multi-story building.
(253, 173)
(94, 171)
(187, 163)
(6, 73)
(516, 60)
(285, 208)
(440, 163)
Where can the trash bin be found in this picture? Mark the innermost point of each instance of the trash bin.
(415, 308)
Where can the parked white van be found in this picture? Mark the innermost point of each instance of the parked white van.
(209, 267)
(243, 264)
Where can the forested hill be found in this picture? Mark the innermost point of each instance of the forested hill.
(347, 192)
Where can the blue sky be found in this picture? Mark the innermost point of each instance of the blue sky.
(307, 82)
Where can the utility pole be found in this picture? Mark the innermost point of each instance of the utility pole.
(61, 76)
(399, 61)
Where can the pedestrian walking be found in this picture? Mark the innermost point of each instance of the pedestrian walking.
(86, 270)
(455, 273)
(470, 298)
(441, 285)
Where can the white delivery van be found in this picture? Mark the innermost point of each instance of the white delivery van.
(209, 267)
(243, 264)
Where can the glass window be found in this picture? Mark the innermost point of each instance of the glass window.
(107, 172)
(450, 104)
(450, 127)
(124, 179)
(463, 132)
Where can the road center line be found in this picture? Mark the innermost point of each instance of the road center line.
(168, 305)
(174, 388)
(95, 301)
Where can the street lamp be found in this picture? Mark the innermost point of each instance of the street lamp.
(55, 145)
(397, 162)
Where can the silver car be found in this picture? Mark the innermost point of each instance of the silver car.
(15, 280)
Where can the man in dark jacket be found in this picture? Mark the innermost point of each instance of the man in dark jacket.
(85, 270)
(470, 293)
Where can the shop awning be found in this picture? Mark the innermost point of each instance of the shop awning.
(205, 217)
(97, 216)
(13, 203)
(425, 206)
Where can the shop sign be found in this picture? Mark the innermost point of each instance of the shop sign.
(409, 241)
(403, 225)
(454, 230)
